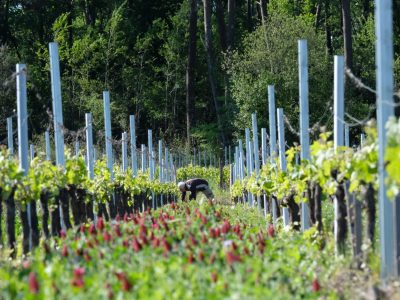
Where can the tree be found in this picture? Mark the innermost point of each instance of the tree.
(7, 87)
(270, 57)
(190, 70)
(347, 34)
(211, 65)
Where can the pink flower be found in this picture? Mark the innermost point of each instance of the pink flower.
(100, 224)
(191, 258)
(79, 272)
(33, 283)
(106, 236)
(117, 230)
(203, 219)
(271, 230)
(26, 264)
(64, 251)
(214, 277)
(136, 245)
(78, 282)
(155, 243)
(201, 255)
(226, 227)
(63, 234)
(231, 258)
(315, 285)
(193, 240)
(92, 229)
(212, 258)
(126, 285)
(203, 239)
(166, 245)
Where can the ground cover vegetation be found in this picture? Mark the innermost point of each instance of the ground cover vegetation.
(182, 251)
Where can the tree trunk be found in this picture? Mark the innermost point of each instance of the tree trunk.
(112, 207)
(366, 8)
(230, 33)
(87, 206)
(371, 213)
(318, 206)
(75, 208)
(328, 31)
(63, 197)
(55, 218)
(347, 35)
(263, 11)
(44, 199)
(249, 16)
(341, 219)
(219, 11)
(34, 225)
(223, 37)
(278, 206)
(310, 197)
(25, 229)
(294, 212)
(10, 222)
(103, 212)
(90, 12)
(190, 70)
(211, 64)
(318, 15)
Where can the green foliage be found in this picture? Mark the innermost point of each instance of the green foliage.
(10, 174)
(328, 167)
(392, 157)
(269, 56)
(183, 251)
(212, 175)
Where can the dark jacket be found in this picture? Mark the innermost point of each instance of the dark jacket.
(193, 186)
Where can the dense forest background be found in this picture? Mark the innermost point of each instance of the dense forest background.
(192, 70)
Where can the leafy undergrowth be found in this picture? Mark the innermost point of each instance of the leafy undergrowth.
(182, 251)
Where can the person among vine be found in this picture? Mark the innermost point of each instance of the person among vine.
(193, 186)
